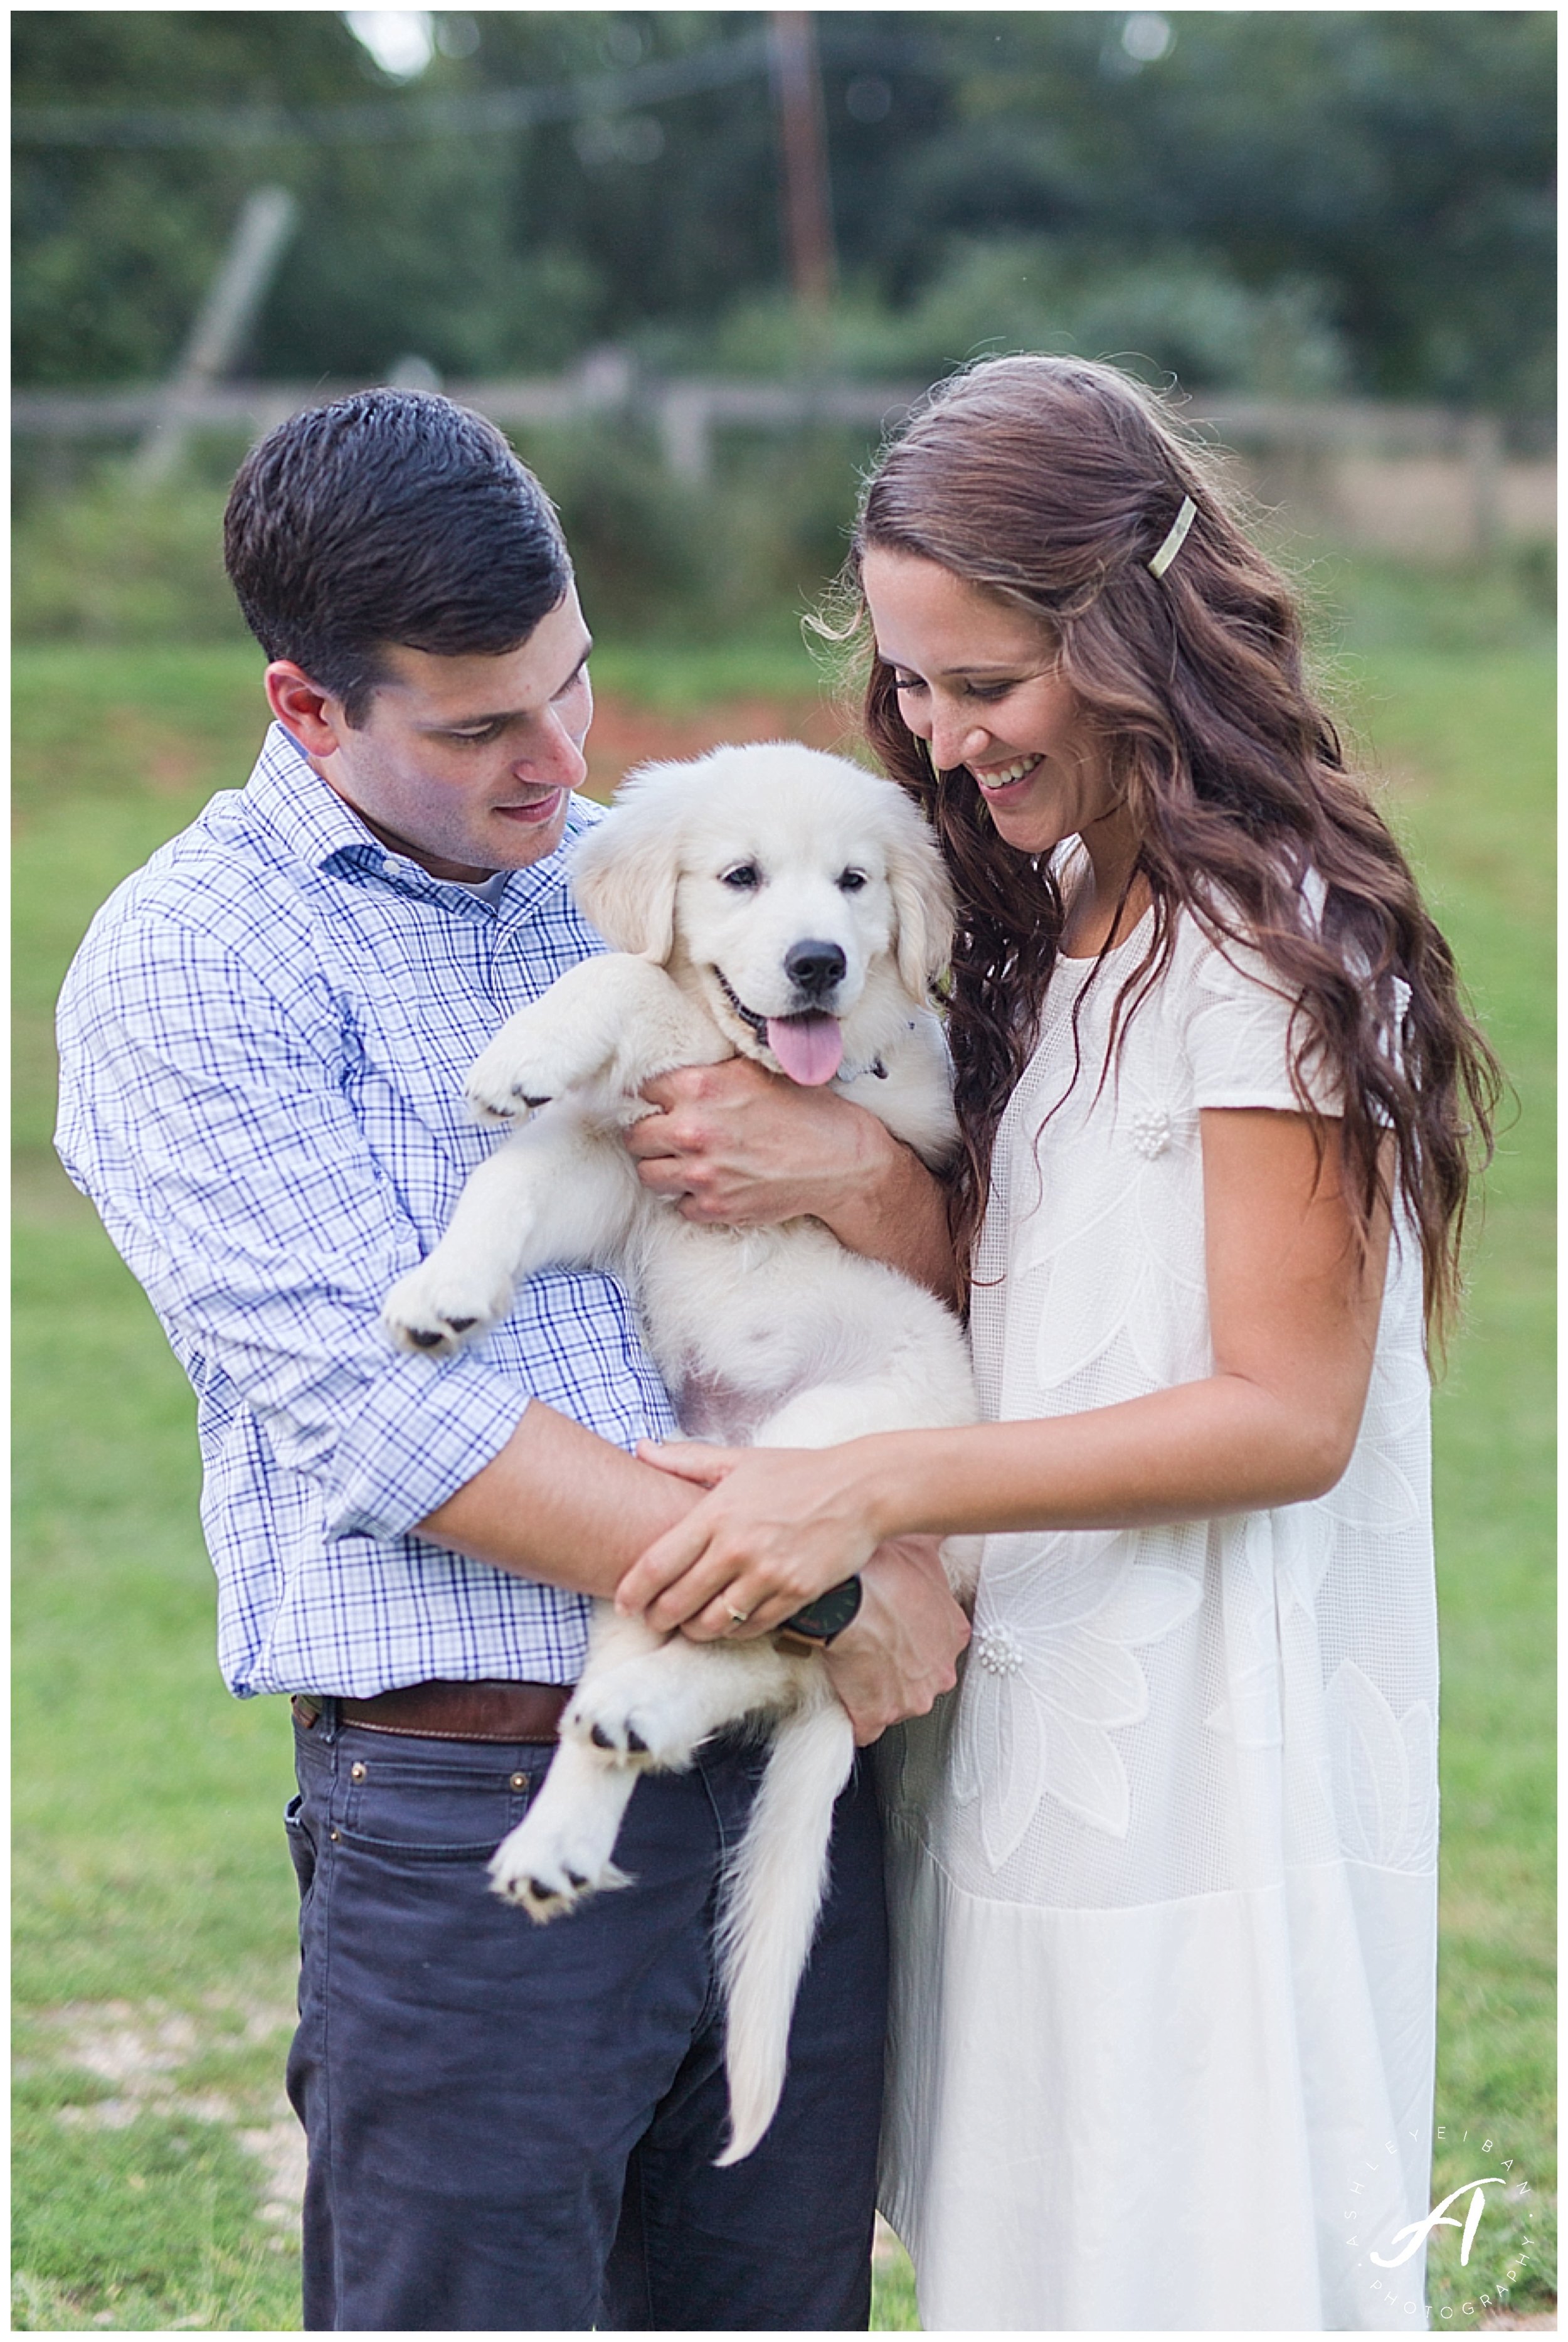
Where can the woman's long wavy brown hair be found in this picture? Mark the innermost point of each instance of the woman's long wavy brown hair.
(1050, 483)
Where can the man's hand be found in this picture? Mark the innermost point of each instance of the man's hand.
(741, 1147)
(899, 1653)
(736, 1146)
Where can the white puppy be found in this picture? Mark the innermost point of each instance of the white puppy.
(779, 904)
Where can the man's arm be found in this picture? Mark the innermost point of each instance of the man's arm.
(739, 1147)
(207, 1117)
(560, 1504)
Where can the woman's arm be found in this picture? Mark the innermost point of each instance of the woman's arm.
(1294, 1317)
(741, 1146)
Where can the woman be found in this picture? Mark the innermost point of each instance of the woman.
(1163, 1872)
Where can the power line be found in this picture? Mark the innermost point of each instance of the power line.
(474, 114)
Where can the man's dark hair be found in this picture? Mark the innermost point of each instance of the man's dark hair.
(393, 516)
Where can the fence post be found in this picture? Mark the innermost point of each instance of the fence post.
(685, 434)
(1483, 454)
(236, 294)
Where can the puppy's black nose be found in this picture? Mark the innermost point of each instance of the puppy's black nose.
(815, 967)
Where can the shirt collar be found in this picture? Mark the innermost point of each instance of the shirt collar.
(287, 792)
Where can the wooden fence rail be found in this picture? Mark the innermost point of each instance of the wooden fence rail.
(1411, 478)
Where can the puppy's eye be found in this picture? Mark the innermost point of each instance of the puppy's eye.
(849, 882)
(744, 877)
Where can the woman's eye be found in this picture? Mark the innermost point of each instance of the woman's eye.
(908, 683)
(744, 878)
(988, 690)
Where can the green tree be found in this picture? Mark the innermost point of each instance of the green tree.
(1362, 196)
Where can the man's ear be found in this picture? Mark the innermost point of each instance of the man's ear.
(625, 873)
(303, 708)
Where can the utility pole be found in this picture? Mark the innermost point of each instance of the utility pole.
(807, 194)
(236, 294)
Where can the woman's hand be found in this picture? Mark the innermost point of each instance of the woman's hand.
(778, 1526)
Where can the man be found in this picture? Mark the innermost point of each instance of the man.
(263, 1043)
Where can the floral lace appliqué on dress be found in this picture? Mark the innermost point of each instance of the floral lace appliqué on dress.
(1050, 1680)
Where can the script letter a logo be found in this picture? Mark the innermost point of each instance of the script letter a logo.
(1419, 2230)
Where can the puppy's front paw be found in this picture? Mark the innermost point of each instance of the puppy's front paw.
(635, 1715)
(530, 1061)
(551, 1862)
(435, 1308)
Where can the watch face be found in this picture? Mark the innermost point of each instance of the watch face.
(830, 1614)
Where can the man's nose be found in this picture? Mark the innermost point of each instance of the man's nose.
(553, 755)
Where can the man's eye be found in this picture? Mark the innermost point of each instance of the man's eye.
(744, 878)
(473, 739)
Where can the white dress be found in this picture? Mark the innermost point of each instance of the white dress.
(1164, 1869)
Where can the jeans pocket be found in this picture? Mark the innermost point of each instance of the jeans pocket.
(447, 1812)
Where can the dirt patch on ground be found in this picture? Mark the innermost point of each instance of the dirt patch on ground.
(143, 2052)
(164, 761)
(625, 733)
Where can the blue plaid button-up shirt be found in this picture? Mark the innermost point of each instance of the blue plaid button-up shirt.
(262, 1044)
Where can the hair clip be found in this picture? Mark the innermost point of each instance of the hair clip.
(1174, 543)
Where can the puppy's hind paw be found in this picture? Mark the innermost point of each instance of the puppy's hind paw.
(634, 1714)
(543, 1879)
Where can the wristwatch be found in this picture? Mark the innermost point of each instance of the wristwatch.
(818, 1622)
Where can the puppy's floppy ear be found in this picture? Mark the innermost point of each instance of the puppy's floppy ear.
(625, 872)
(923, 904)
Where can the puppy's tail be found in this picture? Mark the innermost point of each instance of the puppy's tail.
(773, 1896)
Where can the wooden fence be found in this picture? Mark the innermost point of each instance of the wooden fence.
(1418, 480)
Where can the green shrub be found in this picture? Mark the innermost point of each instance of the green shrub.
(107, 563)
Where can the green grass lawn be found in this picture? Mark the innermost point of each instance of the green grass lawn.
(153, 1896)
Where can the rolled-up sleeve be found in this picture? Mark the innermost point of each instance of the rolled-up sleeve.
(206, 1112)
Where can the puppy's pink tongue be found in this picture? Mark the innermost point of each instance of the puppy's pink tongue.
(810, 1048)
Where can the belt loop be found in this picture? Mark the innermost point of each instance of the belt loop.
(327, 1724)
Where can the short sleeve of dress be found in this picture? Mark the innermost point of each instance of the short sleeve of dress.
(1244, 1030)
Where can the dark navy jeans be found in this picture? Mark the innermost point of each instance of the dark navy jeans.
(514, 2126)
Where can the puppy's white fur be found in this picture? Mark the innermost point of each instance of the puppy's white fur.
(707, 878)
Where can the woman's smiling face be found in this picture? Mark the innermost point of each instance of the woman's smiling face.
(977, 681)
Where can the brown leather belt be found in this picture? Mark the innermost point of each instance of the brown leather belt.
(452, 1711)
